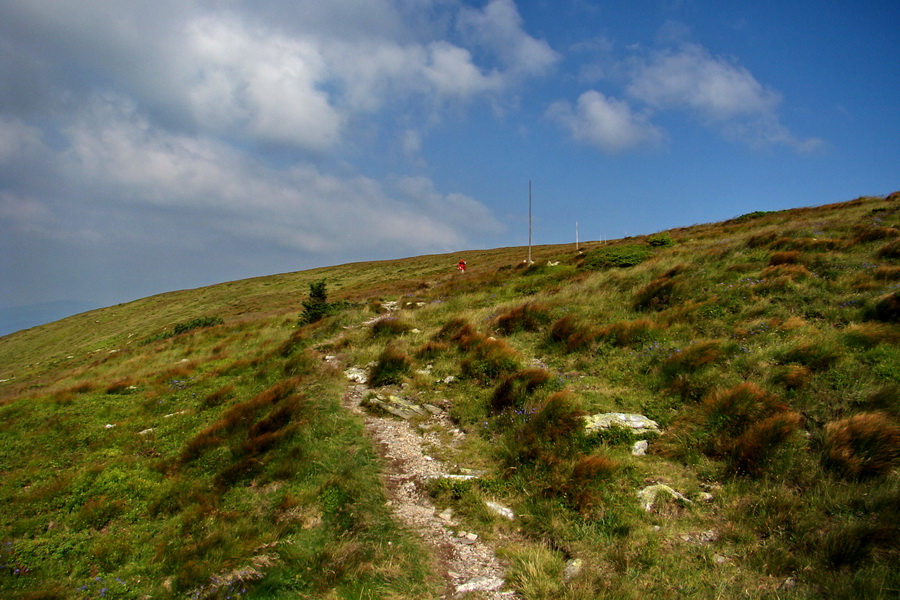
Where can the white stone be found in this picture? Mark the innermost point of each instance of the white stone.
(649, 494)
(573, 568)
(500, 510)
(640, 448)
(480, 584)
(634, 422)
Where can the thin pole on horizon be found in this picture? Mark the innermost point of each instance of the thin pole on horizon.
(529, 222)
(576, 236)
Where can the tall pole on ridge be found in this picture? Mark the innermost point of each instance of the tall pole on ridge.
(529, 222)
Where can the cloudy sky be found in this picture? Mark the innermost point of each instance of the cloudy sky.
(153, 145)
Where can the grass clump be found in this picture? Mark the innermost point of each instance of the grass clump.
(489, 359)
(572, 333)
(742, 425)
(515, 390)
(392, 366)
(862, 446)
(527, 317)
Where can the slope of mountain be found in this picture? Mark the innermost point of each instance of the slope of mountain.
(194, 444)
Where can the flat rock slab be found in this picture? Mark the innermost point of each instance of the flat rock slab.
(649, 495)
(636, 423)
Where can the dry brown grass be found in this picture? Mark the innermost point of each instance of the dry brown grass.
(527, 317)
(862, 446)
(572, 333)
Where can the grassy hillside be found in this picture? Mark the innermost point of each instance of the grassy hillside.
(193, 444)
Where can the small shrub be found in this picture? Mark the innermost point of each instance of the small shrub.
(626, 255)
(316, 307)
(862, 446)
(390, 368)
(571, 333)
(660, 240)
(515, 390)
(751, 216)
(527, 317)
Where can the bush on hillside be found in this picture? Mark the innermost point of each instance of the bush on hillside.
(660, 240)
(316, 307)
(862, 446)
(626, 255)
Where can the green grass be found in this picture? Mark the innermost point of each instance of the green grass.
(160, 465)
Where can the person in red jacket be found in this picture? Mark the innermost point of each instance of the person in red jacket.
(461, 266)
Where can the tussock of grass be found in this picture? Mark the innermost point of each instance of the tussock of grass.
(864, 445)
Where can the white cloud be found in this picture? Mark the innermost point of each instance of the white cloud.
(499, 28)
(718, 91)
(713, 87)
(606, 123)
(264, 82)
(129, 168)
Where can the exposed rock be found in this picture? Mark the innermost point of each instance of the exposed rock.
(500, 510)
(573, 568)
(480, 584)
(636, 423)
(702, 537)
(356, 375)
(649, 495)
(640, 448)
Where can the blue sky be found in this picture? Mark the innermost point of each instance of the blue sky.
(153, 145)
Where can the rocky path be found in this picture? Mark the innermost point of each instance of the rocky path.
(466, 562)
